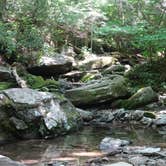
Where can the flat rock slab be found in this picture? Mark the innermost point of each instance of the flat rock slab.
(118, 164)
(142, 150)
(27, 96)
(100, 91)
(5, 161)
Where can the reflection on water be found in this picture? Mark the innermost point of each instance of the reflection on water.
(76, 147)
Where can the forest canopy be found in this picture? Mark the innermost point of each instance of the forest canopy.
(32, 28)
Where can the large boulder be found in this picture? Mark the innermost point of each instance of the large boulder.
(99, 91)
(5, 161)
(28, 113)
(52, 66)
(96, 62)
(141, 98)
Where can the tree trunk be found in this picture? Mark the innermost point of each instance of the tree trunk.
(21, 83)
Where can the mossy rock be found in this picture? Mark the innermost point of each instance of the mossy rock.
(141, 98)
(149, 115)
(99, 91)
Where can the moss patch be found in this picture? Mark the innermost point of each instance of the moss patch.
(6, 85)
(37, 82)
(149, 114)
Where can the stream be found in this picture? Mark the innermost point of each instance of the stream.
(77, 147)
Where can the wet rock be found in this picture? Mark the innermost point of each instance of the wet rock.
(149, 151)
(160, 121)
(5, 161)
(19, 124)
(121, 114)
(86, 115)
(104, 116)
(118, 164)
(146, 121)
(138, 160)
(162, 130)
(30, 113)
(141, 98)
(161, 162)
(52, 66)
(58, 163)
(5, 74)
(110, 145)
(99, 91)
(137, 115)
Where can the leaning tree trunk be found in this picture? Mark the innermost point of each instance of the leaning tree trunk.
(20, 82)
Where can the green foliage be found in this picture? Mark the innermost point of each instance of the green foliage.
(7, 34)
(6, 85)
(149, 74)
(29, 25)
(37, 82)
(88, 77)
(28, 37)
(135, 25)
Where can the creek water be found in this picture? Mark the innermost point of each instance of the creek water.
(77, 147)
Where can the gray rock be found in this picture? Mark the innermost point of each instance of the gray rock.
(5, 161)
(104, 116)
(96, 62)
(74, 75)
(160, 121)
(98, 92)
(146, 121)
(114, 68)
(137, 115)
(109, 144)
(149, 151)
(19, 124)
(38, 113)
(161, 162)
(86, 115)
(52, 66)
(5, 73)
(121, 114)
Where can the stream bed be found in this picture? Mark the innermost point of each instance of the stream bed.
(78, 147)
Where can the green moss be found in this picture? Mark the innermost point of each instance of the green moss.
(87, 77)
(149, 114)
(34, 82)
(6, 85)
(37, 82)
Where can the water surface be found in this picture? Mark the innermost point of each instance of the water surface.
(77, 147)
